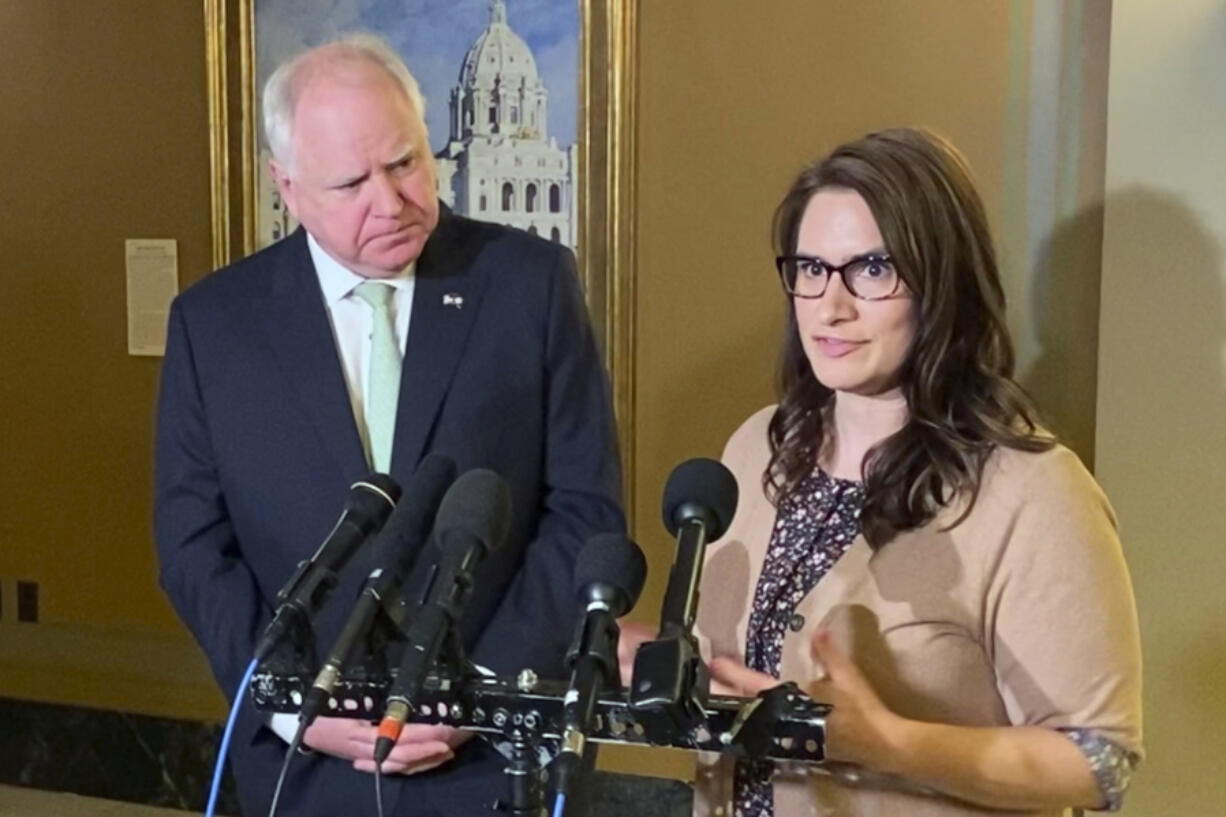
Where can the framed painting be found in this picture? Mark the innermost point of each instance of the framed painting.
(563, 143)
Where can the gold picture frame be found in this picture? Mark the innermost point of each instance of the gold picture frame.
(606, 150)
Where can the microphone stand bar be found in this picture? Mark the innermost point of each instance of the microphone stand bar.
(780, 724)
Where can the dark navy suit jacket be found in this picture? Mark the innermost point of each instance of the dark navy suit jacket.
(257, 446)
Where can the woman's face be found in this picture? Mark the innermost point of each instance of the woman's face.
(853, 345)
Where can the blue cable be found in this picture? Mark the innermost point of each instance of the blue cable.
(225, 739)
(559, 805)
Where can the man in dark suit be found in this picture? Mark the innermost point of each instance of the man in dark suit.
(277, 394)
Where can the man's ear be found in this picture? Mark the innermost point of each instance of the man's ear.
(285, 186)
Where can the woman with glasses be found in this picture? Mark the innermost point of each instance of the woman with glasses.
(911, 546)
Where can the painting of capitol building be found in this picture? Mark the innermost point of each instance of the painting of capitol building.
(494, 127)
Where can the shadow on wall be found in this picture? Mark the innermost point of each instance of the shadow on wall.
(1064, 296)
(1168, 312)
(1164, 337)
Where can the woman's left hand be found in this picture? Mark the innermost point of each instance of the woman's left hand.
(860, 728)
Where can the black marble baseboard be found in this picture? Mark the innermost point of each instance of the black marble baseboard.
(114, 755)
(169, 763)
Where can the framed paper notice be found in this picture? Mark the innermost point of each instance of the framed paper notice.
(153, 281)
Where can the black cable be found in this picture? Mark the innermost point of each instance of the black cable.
(379, 789)
(289, 756)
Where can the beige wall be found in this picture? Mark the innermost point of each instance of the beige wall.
(1162, 381)
(103, 138)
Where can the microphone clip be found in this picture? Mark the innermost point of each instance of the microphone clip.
(670, 687)
(756, 725)
(288, 642)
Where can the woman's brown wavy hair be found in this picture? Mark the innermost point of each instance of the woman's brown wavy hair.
(957, 376)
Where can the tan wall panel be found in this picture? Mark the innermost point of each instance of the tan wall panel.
(104, 138)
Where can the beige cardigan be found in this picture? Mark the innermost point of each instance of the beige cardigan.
(1022, 614)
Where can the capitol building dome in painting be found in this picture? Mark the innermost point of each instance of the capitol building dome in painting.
(499, 163)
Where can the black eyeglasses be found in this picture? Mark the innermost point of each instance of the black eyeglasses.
(869, 277)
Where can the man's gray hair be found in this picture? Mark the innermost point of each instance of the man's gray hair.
(283, 88)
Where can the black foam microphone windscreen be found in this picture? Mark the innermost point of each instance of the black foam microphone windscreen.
(612, 559)
(477, 508)
(701, 489)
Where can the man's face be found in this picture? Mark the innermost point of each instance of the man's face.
(361, 177)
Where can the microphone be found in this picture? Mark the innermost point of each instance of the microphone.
(472, 520)
(394, 552)
(367, 507)
(699, 502)
(609, 575)
(670, 685)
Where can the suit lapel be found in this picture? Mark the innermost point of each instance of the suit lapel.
(447, 296)
(296, 323)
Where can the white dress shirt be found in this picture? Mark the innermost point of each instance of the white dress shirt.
(351, 319)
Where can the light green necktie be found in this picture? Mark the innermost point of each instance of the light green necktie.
(384, 374)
